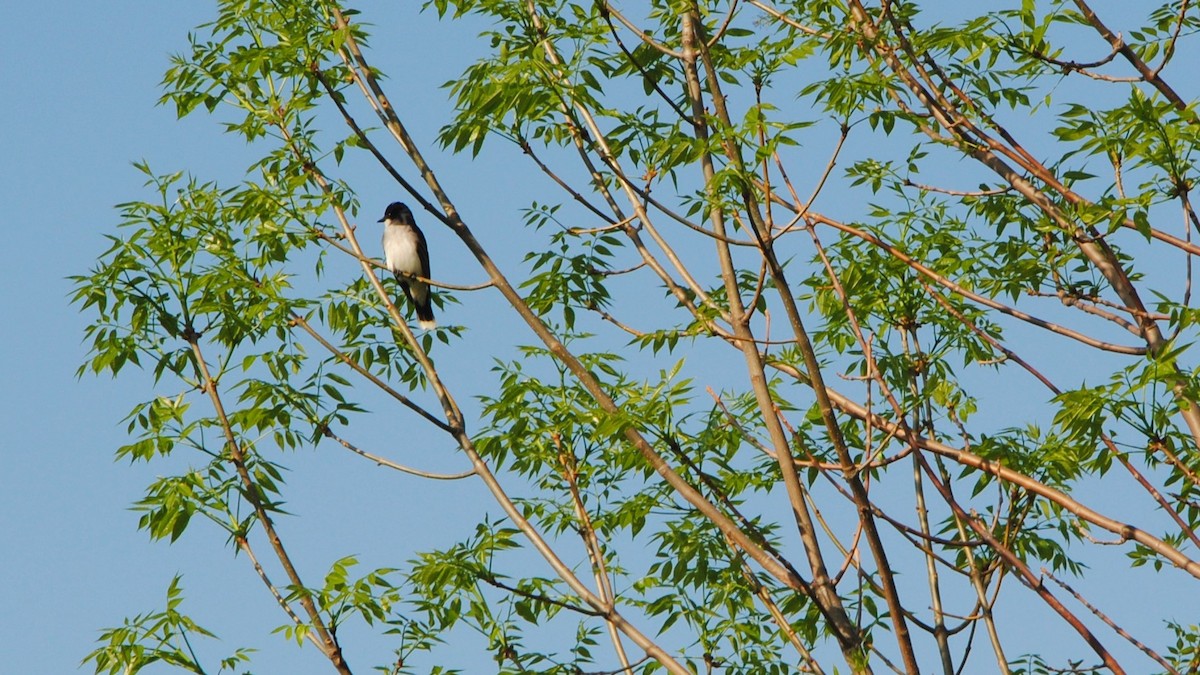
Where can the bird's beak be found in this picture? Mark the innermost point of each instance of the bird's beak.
(381, 219)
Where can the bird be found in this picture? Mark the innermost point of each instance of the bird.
(405, 252)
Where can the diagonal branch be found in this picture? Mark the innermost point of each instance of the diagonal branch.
(325, 639)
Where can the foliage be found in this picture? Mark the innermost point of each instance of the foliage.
(831, 309)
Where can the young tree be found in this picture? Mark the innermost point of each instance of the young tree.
(829, 311)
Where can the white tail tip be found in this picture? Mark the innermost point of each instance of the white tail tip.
(427, 325)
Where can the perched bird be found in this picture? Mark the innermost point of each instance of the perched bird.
(405, 252)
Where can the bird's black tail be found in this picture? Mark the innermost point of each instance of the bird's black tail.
(418, 295)
(425, 313)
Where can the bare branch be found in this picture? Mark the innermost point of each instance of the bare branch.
(610, 10)
(1111, 624)
(298, 320)
(390, 464)
(1147, 74)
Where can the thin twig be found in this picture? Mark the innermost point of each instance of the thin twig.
(1111, 624)
(609, 9)
(958, 193)
(244, 545)
(569, 472)
(1024, 573)
(298, 320)
(328, 433)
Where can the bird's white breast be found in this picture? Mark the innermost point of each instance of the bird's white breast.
(400, 249)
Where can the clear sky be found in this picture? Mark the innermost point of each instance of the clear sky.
(79, 88)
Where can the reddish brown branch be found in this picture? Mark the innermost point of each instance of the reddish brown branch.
(1023, 572)
(1112, 624)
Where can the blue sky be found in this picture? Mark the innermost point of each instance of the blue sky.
(80, 83)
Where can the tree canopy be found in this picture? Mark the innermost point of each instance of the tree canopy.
(830, 335)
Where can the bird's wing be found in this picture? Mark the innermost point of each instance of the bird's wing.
(423, 253)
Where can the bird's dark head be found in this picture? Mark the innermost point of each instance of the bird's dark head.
(398, 212)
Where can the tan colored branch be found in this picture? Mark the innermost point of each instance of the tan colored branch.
(244, 546)
(997, 469)
(298, 320)
(325, 640)
(822, 590)
(393, 465)
(595, 551)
